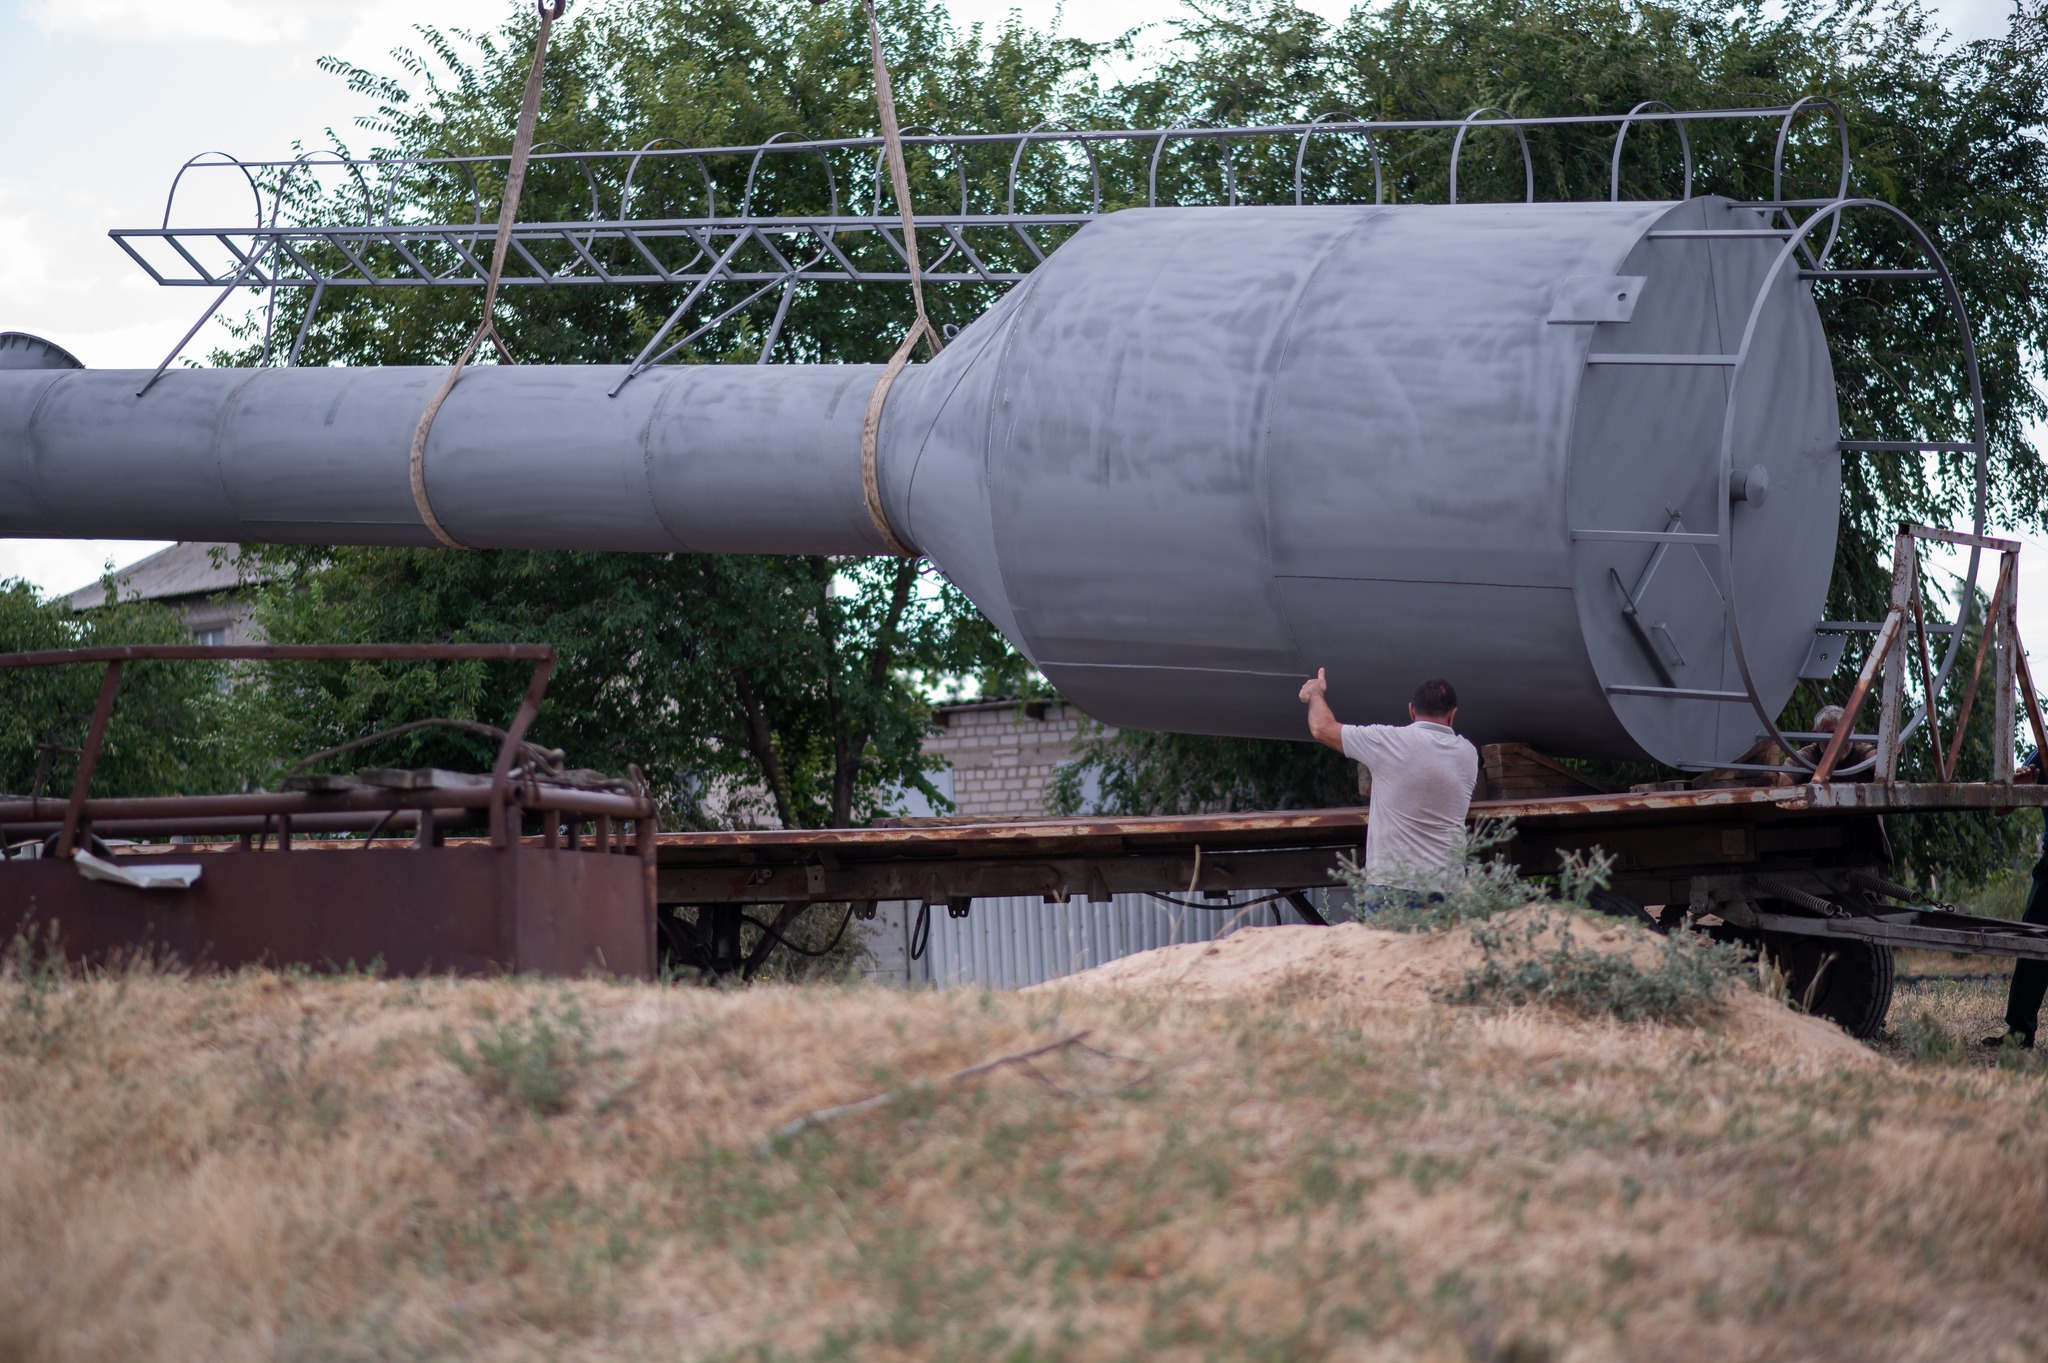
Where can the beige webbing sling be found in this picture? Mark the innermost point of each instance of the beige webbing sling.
(508, 212)
(899, 179)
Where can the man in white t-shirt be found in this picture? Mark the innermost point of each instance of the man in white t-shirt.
(1422, 779)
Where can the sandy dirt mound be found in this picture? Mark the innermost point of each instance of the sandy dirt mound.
(1373, 968)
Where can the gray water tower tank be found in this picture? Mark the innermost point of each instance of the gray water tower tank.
(1203, 452)
(1196, 455)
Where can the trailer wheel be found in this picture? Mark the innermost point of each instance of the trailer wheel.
(1847, 982)
(1621, 906)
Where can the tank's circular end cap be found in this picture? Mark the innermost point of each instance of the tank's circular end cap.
(19, 350)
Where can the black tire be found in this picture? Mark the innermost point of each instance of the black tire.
(1847, 982)
(1621, 906)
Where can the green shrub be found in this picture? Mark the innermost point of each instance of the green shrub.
(1538, 959)
(1476, 886)
(2003, 894)
(532, 1062)
(173, 729)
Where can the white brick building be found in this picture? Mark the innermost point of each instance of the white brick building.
(1002, 754)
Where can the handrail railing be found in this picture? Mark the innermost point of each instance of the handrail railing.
(303, 234)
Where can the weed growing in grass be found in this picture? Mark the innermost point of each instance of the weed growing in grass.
(1538, 960)
(2021, 1060)
(286, 1089)
(1939, 1021)
(532, 1062)
(1476, 887)
(2003, 893)
(1927, 1042)
(30, 972)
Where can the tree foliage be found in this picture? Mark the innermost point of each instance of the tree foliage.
(171, 729)
(626, 74)
(743, 686)
(1134, 771)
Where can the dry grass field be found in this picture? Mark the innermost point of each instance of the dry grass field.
(1277, 1148)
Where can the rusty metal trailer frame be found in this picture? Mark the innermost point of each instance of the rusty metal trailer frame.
(1800, 870)
(577, 896)
(1709, 850)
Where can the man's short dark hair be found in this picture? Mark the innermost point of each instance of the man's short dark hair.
(1434, 698)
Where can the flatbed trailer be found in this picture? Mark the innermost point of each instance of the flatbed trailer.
(1804, 871)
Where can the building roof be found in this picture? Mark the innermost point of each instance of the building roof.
(179, 571)
(1033, 708)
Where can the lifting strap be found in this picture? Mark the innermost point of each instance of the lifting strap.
(921, 328)
(508, 212)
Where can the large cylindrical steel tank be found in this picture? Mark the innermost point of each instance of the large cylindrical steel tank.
(1196, 455)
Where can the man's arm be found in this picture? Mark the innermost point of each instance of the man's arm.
(1322, 721)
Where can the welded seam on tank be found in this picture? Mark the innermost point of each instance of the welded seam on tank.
(998, 391)
(975, 356)
(1107, 419)
(1178, 667)
(220, 425)
(1646, 217)
(31, 434)
(1279, 346)
(669, 381)
(1122, 363)
(1727, 376)
(1565, 587)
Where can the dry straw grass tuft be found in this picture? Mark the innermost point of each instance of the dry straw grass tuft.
(1291, 1150)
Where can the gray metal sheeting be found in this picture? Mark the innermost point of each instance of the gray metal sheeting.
(1015, 942)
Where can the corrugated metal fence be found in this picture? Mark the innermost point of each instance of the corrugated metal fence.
(1012, 942)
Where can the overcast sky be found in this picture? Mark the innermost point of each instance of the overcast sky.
(106, 98)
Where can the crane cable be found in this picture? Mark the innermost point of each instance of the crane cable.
(508, 212)
(920, 329)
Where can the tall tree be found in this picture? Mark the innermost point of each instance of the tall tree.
(627, 74)
(172, 726)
